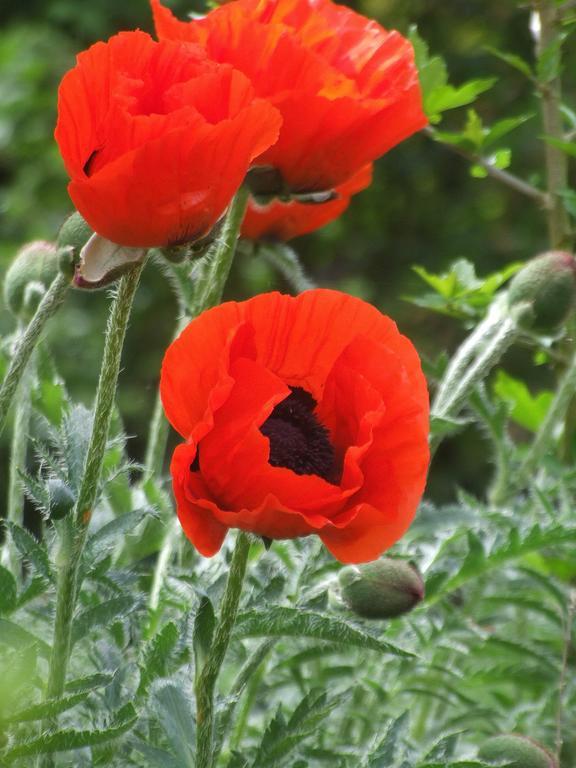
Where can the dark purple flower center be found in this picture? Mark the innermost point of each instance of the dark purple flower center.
(298, 441)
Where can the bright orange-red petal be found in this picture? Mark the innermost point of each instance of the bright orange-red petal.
(157, 138)
(278, 221)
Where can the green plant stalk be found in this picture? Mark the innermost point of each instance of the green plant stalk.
(18, 450)
(502, 339)
(67, 584)
(206, 681)
(465, 353)
(50, 303)
(556, 413)
(286, 261)
(211, 284)
(551, 100)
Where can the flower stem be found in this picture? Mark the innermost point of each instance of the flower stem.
(285, 260)
(18, 450)
(67, 586)
(556, 413)
(51, 301)
(211, 285)
(206, 681)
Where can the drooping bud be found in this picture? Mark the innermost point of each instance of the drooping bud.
(73, 236)
(61, 498)
(383, 589)
(516, 751)
(547, 285)
(28, 278)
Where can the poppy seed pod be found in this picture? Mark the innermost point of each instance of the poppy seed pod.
(548, 285)
(28, 277)
(516, 751)
(383, 589)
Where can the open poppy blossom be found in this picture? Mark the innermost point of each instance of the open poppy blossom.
(300, 415)
(281, 221)
(347, 89)
(157, 138)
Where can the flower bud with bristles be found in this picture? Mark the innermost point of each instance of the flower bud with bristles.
(516, 751)
(28, 278)
(383, 589)
(546, 285)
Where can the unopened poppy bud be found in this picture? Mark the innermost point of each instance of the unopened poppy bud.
(61, 498)
(516, 751)
(28, 278)
(547, 285)
(73, 236)
(383, 589)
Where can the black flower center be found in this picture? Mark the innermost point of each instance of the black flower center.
(298, 441)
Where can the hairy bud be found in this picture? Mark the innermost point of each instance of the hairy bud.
(547, 285)
(516, 751)
(381, 590)
(61, 498)
(28, 278)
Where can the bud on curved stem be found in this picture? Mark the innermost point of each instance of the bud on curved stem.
(383, 589)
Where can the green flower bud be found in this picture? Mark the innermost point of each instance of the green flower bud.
(61, 498)
(517, 752)
(381, 590)
(547, 285)
(74, 233)
(28, 278)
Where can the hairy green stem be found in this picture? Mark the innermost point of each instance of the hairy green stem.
(67, 586)
(286, 261)
(18, 451)
(556, 413)
(550, 88)
(206, 681)
(211, 285)
(51, 301)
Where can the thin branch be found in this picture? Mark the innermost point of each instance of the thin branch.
(569, 619)
(504, 177)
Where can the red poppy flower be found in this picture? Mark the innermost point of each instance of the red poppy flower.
(347, 89)
(280, 221)
(300, 415)
(157, 138)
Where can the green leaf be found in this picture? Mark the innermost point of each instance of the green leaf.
(173, 709)
(385, 752)
(16, 637)
(569, 147)
(438, 94)
(8, 591)
(34, 552)
(204, 625)
(281, 737)
(75, 435)
(155, 758)
(512, 60)
(478, 563)
(293, 622)
(156, 655)
(441, 426)
(102, 615)
(90, 682)
(525, 409)
(49, 708)
(63, 741)
(550, 60)
(108, 535)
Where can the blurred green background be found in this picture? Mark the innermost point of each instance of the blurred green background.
(423, 208)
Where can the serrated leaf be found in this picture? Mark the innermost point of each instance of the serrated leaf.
(16, 637)
(102, 615)
(385, 752)
(293, 622)
(90, 682)
(525, 409)
(75, 439)
(49, 708)
(173, 709)
(512, 60)
(155, 758)
(156, 655)
(63, 741)
(8, 592)
(109, 534)
(34, 552)
(204, 624)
